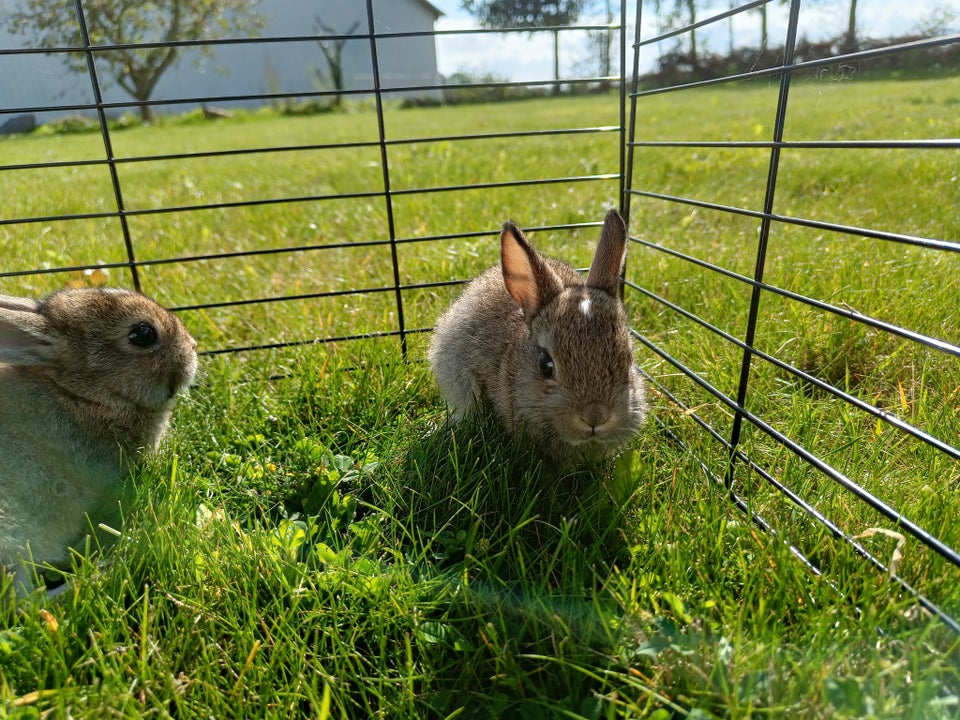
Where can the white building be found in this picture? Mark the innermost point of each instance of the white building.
(283, 59)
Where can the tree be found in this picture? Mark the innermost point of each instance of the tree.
(599, 47)
(764, 35)
(850, 43)
(939, 21)
(605, 43)
(137, 70)
(332, 48)
(528, 14)
(691, 11)
(685, 12)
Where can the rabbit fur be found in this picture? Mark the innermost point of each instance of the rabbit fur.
(550, 352)
(87, 383)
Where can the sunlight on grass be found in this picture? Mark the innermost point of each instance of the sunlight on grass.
(312, 537)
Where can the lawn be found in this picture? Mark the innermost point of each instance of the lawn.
(311, 542)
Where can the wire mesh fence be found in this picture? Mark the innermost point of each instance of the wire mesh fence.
(142, 230)
(814, 363)
(793, 212)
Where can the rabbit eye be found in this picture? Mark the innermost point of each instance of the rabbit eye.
(143, 335)
(546, 365)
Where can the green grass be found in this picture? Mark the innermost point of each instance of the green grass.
(310, 541)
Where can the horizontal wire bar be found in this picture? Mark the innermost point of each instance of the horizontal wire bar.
(506, 84)
(919, 144)
(379, 290)
(804, 65)
(597, 129)
(200, 99)
(507, 183)
(919, 338)
(167, 209)
(496, 232)
(138, 212)
(876, 412)
(269, 97)
(200, 154)
(500, 31)
(104, 48)
(281, 149)
(186, 259)
(929, 243)
(377, 334)
(230, 255)
(121, 160)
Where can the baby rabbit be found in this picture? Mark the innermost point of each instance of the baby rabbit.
(550, 352)
(87, 383)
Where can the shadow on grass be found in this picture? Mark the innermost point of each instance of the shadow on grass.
(470, 494)
(524, 549)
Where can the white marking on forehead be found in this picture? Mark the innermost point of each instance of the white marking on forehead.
(585, 307)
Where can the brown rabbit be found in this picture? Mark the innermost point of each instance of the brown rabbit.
(550, 352)
(87, 384)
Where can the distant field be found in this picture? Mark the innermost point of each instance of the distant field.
(309, 544)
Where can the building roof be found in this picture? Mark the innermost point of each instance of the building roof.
(431, 7)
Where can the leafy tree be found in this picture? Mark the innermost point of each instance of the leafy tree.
(528, 14)
(940, 21)
(137, 70)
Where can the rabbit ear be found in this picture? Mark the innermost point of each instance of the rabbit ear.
(24, 339)
(611, 253)
(527, 277)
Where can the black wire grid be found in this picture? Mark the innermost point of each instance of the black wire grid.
(738, 460)
(634, 189)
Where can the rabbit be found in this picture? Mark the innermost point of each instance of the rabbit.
(550, 352)
(88, 379)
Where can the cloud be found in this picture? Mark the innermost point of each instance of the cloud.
(522, 57)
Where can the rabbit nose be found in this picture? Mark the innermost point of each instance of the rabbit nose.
(595, 415)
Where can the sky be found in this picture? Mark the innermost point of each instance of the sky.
(530, 57)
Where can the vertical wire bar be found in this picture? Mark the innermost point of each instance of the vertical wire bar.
(764, 236)
(108, 145)
(623, 100)
(632, 130)
(622, 135)
(384, 164)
